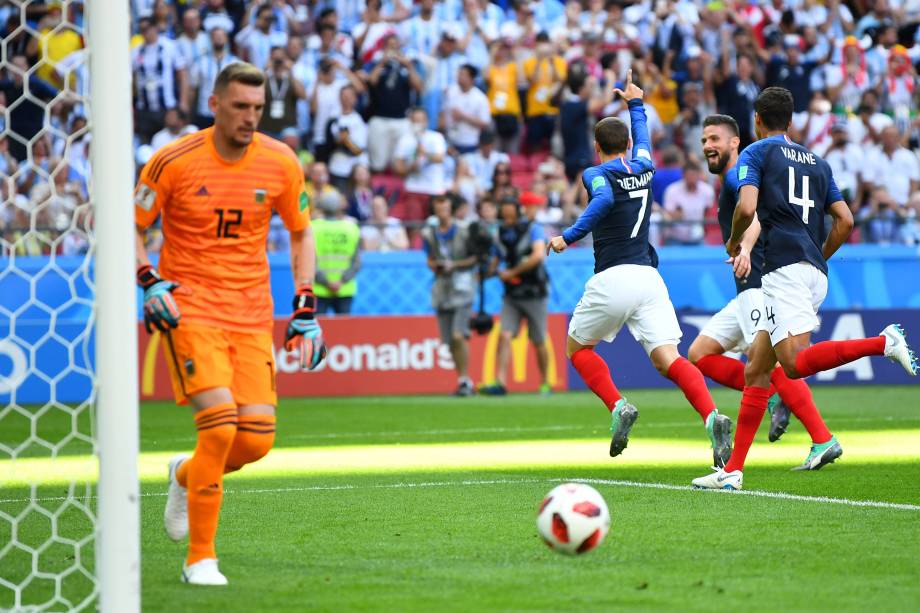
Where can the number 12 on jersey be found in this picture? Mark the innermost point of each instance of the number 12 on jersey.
(805, 202)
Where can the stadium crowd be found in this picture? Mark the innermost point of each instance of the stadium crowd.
(390, 103)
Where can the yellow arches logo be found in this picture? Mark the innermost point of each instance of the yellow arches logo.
(519, 347)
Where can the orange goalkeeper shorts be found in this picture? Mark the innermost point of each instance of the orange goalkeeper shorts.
(204, 357)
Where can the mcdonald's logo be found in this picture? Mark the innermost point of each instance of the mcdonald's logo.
(519, 346)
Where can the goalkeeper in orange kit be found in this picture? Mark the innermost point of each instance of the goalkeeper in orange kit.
(215, 192)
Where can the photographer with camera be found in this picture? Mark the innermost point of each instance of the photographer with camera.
(282, 91)
(452, 260)
(522, 250)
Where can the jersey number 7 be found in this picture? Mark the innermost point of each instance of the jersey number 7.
(805, 202)
(639, 193)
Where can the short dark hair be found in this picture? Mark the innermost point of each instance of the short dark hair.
(611, 135)
(775, 106)
(238, 72)
(471, 70)
(723, 120)
(691, 165)
(440, 198)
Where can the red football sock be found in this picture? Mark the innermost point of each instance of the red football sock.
(831, 354)
(797, 396)
(593, 369)
(753, 406)
(690, 380)
(723, 370)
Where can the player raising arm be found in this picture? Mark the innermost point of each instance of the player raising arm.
(791, 189)
(734, 327)
(215, 192)
(626, 288)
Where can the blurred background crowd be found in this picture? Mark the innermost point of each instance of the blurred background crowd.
(388, 103)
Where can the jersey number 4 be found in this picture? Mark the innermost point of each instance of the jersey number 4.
(805, 202)
(639, 193)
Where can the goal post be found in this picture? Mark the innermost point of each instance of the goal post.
(118, 517)
(69, 414)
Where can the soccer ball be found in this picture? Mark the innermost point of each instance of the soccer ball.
(573, 518)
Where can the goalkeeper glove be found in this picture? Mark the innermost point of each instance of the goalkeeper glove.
(303, 332)
(160, 308)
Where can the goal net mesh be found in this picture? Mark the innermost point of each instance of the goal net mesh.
(47, 389)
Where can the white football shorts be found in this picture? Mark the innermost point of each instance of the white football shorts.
(627, 294)
(735, 326)
(792, 296)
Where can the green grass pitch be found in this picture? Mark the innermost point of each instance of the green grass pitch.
(428, 504)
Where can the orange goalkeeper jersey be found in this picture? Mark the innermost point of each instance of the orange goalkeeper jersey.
(215, 219)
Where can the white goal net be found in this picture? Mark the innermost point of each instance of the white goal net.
(50, 277)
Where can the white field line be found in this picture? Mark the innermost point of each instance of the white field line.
(689, 422)
(875, 504)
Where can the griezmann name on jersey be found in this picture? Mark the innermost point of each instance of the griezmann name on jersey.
(728, 200)
(620, 203)
(796, 188)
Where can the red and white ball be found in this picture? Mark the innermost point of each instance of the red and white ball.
(573, 518)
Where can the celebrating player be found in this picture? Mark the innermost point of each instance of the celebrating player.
(735, 325)
(626, 287)
(790, 189)
(215, 191)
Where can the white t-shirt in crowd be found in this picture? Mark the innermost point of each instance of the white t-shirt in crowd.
(483, 168)
(848, 165)
(431, 177)
(342, 162)
(693, 205)
(894, 173)
(328, 105)
(387, 237)
(858, 132)
(164, 136)
(472, 102)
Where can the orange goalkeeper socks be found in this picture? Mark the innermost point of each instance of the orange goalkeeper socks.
(255, 436)
(203, 476)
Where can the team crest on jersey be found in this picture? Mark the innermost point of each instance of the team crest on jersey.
(145, 197)
(304, 201)
(597, 182)
(260, 195)
(742, 172)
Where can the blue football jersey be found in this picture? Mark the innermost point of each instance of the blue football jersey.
(620, 203)
(796, 190)
(728, 199)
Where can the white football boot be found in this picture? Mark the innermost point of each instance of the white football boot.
(203, 572)
(897, 349)
(175, 517)
(719, 480)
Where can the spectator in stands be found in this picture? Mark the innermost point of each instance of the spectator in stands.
(736, 93)
(282, 91)
(26, 114)
(175, 126)
(326, 102)
(487, 211)
(909, 234)
(685, 205)
(360, 194)
(158, 74)
(340, 42)
(8, 164)
(423, 31)
(338, 256)
(318, 184)
(382, 232)
(894, 167)
(502, 77)
(191, 44)
(867, 125)
(502, 187)
(393, 83)
(583, 99)
(56, 40)
(466, 111)
(369, 33)
(349, 134)
(449, 257)
(688, 130)
(419, 157)
(205, 70)
(483, 161)
(848, 79)
(256, 40)
(881, 217)
(813, 128)
(545, 73)
(442, 71)
(791, 71)
(670, 171)
(847, 162)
